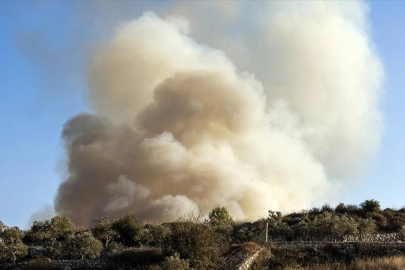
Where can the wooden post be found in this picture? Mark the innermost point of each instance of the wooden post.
(267, 231)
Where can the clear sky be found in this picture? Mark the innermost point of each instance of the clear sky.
(34, 107)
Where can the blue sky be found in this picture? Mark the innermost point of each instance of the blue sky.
(34, 107)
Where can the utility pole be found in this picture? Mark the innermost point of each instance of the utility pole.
(267, 231)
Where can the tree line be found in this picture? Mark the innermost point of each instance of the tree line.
(190, 241)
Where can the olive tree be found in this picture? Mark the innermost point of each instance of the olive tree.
(401, 233)
(58, 228)
(2, 226)
(11, 245)
(103, 230)
(175, 262)
(278, 228)
(366, 226)
(81, 245)
(40, 231)
(343, 226)
(155, 234)
(328, 225)
(61, 228)
(196, 242)
(370, 206)
(129, 230)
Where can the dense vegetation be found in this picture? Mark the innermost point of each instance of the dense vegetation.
(192, 243)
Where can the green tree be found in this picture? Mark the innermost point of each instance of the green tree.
(326, 208)
(2, 226)
(366, 226)
(58, 228)
(327, 225)
(82, 244)
(370, 206)
(275, 216)
(401, 233)
(155, 234)
(341, 208)
(342, 226)
(219, 214)
(277, 227)
(129, 230)
(11, 245)
(61, 228)
(175, 262)
(196, 242)
(103, 230)
(40, 231)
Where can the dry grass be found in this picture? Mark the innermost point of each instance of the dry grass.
(251, 247)
(385, 263)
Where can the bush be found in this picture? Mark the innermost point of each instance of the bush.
(155, 235)
(12, 248)
(248, 231)
(219, 214)
(103, 230)
(58, 228)
(366, 226)
(129, 230)
(174, 262)
(401, 233)
(326, 208)
(40, 264)
(196, 242)
(114, 248)
(82, 245)
(40, 231)
(370, 206)
(137, 256)
(341, 208)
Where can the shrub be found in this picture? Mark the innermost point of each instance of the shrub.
(58, 228)
(248, 231)
(174, 262)
(114, 248)
(366, 226)
(326, 208)
(103, 230)
(370, 206)
(219, 214)
(61, 228)
(401, 233)
(40, 231)
(379, 219)
(341, 208)
(196, 242)
(82, 245)
(40, 264)
(129, 230)
(155, 235)
(12, 248)
(137, 256)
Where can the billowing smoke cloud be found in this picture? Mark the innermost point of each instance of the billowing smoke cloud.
(276, 113)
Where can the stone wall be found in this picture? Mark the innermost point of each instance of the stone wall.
(248, 262)
(370, 238)
(75, 264)
(346, 247)
(374, 238)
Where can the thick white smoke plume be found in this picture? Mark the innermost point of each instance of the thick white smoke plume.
(276, 112)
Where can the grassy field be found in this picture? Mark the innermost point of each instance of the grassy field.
(326, 259)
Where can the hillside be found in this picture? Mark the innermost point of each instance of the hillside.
(343, 236)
